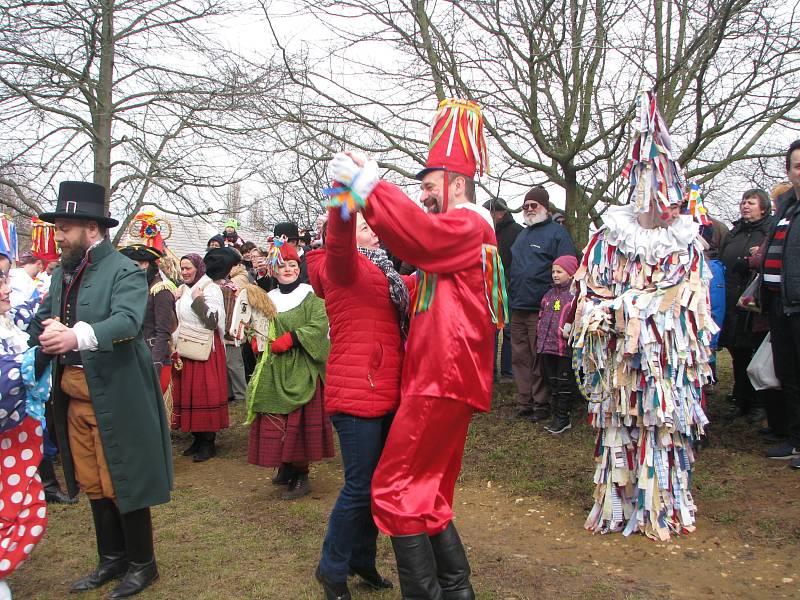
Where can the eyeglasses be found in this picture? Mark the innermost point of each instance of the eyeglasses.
(530, 206)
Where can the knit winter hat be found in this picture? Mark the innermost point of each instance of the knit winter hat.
(567, 262)
(538, 194)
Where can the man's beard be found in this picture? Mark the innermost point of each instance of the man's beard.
(535, 218)
(71, 257)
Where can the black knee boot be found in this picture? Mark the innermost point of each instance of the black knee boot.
(208, 448)
(142, 569)
(192, 450)
(416, 567)
(452, 566)
(52, 489)
(110, 546)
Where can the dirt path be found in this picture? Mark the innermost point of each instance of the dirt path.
(227, 535)
(527, 547)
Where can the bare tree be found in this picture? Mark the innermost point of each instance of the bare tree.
(137, 95)
(557, 80)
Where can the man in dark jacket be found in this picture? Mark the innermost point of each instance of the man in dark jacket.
(532, 256)
(506, 230)
(107, 404)
(780, 294)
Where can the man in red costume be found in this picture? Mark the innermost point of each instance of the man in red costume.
(447, 373)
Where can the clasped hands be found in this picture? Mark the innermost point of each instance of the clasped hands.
(57, 338)
(355, 170)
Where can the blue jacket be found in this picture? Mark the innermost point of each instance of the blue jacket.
(532, 256)
(717, 296)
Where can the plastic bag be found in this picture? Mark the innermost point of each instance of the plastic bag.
(761, 370)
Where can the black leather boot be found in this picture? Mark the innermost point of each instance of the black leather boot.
(372, 578)
(194, 447)
(298, 487)
(334, 590)
(142, 569)
(284, 475)
(452, 566)
(416, 567)
(52, 489)
(208, 448)
(110, 547)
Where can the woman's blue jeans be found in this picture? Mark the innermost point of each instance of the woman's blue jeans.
(352, 535)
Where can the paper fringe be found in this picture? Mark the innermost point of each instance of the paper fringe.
(494, 285)
(651, 169)
(344, 198)
(642, 351)
(464, 118)
(8, 237)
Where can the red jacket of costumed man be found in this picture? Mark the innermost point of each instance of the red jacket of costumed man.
(447, 372)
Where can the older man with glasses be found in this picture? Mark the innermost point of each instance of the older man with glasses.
(532, 256)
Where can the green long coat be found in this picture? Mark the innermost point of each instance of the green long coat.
(122, 382)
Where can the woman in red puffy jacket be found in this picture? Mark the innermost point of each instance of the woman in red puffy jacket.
(367, 303)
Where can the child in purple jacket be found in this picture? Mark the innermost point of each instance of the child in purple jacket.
(553, 346)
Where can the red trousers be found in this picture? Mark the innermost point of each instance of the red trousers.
(412, 488)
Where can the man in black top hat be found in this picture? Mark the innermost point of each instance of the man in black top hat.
(107, 405)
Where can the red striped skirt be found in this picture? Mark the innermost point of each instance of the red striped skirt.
(200, 392)
(304, 435)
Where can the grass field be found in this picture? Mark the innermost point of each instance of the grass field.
(520, 505)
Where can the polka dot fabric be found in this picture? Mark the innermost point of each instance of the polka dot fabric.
(23, 512)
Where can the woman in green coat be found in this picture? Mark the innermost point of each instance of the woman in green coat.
(285, 403)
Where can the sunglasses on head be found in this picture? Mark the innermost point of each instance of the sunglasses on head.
(530, 206)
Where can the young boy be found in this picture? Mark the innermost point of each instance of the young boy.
(552, 345)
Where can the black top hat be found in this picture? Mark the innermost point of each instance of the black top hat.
(141, 252)
(220, 261)
(288, 229)
(80, 200)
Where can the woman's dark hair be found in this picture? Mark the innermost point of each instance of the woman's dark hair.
(795, 145)
(152, 273)
(762, 197)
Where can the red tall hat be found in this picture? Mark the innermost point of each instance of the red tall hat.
(457, 140)
(43, 241)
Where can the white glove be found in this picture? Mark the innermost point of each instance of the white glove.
(366, 179)
(342, 168)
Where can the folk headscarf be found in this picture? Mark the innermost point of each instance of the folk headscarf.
(198, 263)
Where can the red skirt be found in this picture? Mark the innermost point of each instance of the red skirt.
(304, 435)
(200, 392)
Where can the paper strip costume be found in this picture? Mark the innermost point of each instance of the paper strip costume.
(641, 340)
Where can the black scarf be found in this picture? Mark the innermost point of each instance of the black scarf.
(288, 288)
(398, 291)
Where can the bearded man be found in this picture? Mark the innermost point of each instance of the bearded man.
(532, 256)
(107, 405)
